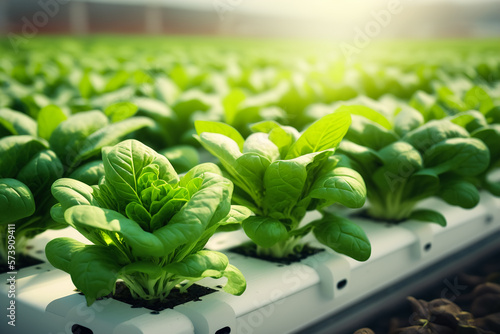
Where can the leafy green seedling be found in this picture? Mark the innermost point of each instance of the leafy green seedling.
(406, 161)
(281, 174)
(37, 153)
(148, 226)
(485, 127)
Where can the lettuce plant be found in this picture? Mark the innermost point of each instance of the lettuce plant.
(280, 174)
(474, 110)
(147, 226)
(406, 161)
(37, 153)
(486, 127)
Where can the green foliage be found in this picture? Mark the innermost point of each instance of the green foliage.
(148, 226)
(16, 201)
(280, 175)
(182, 157)
(37, 153)
(422, 115)
(413, 161)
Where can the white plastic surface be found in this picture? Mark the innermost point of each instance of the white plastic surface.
(33, 293)
(397, 252)
(279, 298)
(47, 303)
(111, 316)
(36, 246)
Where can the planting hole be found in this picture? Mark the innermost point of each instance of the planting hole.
(427, 247)
(488, 219)
(79, 329)
(341, 284)
(224, 330)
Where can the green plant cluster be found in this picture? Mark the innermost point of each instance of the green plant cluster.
(406, 161)
(295, 127)
(35, 153)
(148, 226)
(281, 174)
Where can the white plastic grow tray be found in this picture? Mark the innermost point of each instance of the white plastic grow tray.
(279, 298)
(338, 282)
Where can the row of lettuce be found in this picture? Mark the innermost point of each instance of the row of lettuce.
(114, 171)
(178, 81)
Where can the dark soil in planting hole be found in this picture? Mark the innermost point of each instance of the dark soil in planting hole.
(22, 261)
(363, 214)
(465, 303)
(250, 249)
(175, 298)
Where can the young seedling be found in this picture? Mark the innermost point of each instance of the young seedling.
(35, 153)
(148, 226)
(281, 174)
(406, 161)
